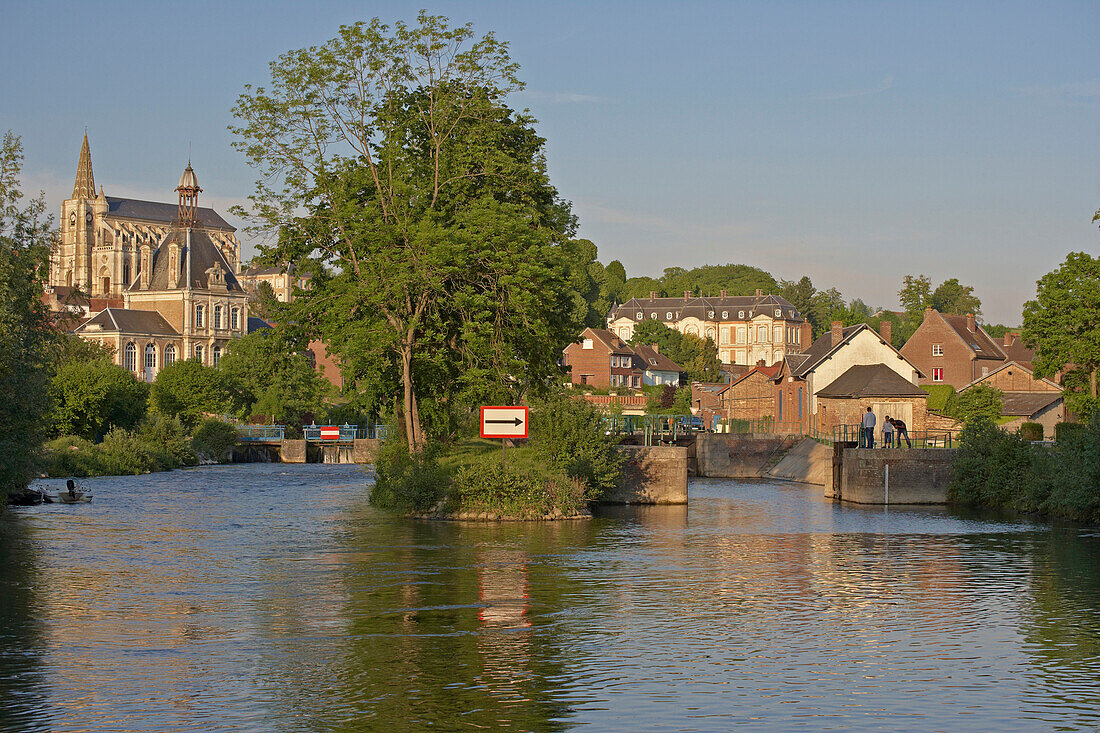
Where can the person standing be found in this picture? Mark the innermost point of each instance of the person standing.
(868, 429)
(887, 433)
(899, 425)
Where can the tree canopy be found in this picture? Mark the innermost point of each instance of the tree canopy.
(25, 332)
(431, 230)
(92, 397)
(273, 378)
(1062, 324)
(697, 356)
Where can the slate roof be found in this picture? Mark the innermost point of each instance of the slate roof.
(127, 320)
(1017, 352)
(257, 324)
(823, 347)
(198, 253)
(705, 308)
(977, 340)
(655, 360)
(1027, 403)
(871, 380)
(164, 213)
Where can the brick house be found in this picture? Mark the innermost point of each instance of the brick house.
(1026, 397)
(602, 359)
(802, 376)
(952, 350)
(753, 396)
(658, 368)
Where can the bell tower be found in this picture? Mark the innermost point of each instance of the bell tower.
(71, 262)
(188, 191)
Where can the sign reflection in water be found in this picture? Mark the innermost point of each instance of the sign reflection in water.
(271, 597)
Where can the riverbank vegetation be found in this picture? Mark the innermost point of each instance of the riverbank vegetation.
(567, 463)
(998, 469)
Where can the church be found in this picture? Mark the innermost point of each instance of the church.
(173, 267)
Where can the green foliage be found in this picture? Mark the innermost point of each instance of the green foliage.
(213, 440)
(436, 244)
(568, 434)
(122, 453)
(187, 389)
(485, 486)
(697, 356)
(704, 280)
(1030, 431)
(950, 297)
(92, 397)
(980, 402)
(994, 468)
(26, 337)
(1062, 324)
(1067, 430)
(939, 396)
(170, 434)
(69, 348)
(407, 482)
(272, 376)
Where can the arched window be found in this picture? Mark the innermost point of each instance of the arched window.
(217, 354)
(199, 313)
(198, 353)
(150, 362)
(169, 354)
(131, 357)
(217, 316)
(235, 318)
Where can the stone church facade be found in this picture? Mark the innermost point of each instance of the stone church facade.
(174, 267)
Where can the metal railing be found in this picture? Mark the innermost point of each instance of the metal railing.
(918, 438)
(653, 428)
(761, 426)
(261, 433)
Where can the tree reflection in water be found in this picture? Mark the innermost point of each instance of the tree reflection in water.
(22, 682)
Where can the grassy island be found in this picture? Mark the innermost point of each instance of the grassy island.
(567, 463)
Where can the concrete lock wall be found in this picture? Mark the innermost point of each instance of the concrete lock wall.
(365, 450)
(292, 451)
(738, 456)
(809, 462)
(894, 476)
(652, 475)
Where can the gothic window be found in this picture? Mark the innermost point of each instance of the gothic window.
(235, 318)
(150, 356)
(198, 318)
(169, 354)
(131, 357)
(217, 316)
(217, 354)
(126, 274)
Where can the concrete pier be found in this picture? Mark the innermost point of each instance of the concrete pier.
(894, 475)
(652, 475)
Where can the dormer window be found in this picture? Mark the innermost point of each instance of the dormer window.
(778, 312)
(741, 315)
(668, 316)
(641, 315)
(710, 314)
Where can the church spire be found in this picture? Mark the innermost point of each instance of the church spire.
(85, 183)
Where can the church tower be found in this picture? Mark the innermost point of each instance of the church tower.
(82, 237)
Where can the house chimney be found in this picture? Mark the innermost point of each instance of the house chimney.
(652, 294)
(885, 329)
(656, 348)
(1008, 338)
(759, 293)
(759, 362)
(723, 293)
(687, 295)
(837, 333)
(970, 322)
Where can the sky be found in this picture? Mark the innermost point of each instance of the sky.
(854, 142)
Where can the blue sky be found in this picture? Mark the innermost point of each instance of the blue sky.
(853, 142)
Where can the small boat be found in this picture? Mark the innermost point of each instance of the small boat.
(78, 497)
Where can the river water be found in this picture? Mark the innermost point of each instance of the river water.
(268, 597)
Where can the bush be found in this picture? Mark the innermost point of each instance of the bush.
(938, 396)
(1030, 431)
(213, 440)
(91, 398)
(1065, 430)
(407, 483)
(568, 435)
(169, 434)
(981, 402)
(485, 486)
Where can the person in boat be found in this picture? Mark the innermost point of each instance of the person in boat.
(71, 486)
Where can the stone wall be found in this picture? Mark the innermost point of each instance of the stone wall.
(652, 475)
(293, 451)
(366, 450)
(918, 476)
(738, 456)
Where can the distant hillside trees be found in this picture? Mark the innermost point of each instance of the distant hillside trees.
(705, 280)
(25, 332)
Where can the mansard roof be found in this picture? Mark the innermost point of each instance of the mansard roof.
(706, 308)
(197, 255)
(128, 320)
(163, 213)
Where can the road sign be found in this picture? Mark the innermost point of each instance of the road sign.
(330, 432)
(504, 422)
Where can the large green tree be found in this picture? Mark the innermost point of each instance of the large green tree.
(274, 377)
(92, 397)
(187, 389)
(26, 234)
(1062, 324)
(431, 230)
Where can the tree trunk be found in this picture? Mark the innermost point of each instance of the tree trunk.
(411, 415)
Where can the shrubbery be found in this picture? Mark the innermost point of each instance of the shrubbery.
(404, 482)
(1031, 431)
(999, 469)
(156, 445)
(569, 436)
(213, 440)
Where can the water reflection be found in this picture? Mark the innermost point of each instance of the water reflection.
(232, 604)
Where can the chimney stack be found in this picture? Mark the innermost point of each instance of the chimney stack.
(652, 294)
(837, 333)
(723, 293)
(970, 322)
(1008, 338)
(687, 295)
(885, 329)
(759, 293)
(656, 348)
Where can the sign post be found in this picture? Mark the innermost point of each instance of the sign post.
(503, 423)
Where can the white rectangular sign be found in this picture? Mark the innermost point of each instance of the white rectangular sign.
(504, 422)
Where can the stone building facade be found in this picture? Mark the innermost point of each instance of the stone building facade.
(102, 238)
(746, 329)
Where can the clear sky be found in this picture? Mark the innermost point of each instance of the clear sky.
(855, 142)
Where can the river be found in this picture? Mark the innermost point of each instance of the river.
(271, 597)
